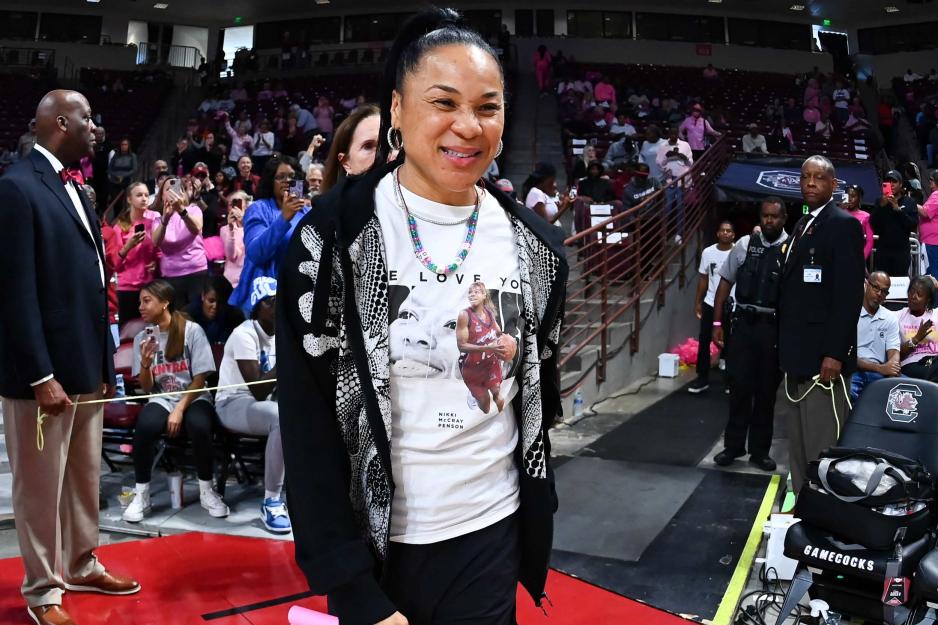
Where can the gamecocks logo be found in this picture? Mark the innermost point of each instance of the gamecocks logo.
(902, 403)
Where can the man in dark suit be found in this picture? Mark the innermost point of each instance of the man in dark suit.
(821, 291)
(55, 353)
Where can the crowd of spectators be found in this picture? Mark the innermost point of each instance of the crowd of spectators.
(194, 250)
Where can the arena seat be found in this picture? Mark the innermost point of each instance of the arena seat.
(901, 416)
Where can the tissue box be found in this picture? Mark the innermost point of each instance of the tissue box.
(668, 365)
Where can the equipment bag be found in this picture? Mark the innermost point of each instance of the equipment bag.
(866, 495)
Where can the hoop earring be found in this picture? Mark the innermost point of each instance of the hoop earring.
(498, 152)
(391, 136)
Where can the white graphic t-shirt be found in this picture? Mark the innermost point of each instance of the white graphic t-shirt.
(454, 359)
(247, 342)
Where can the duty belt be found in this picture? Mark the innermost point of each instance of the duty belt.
(754, 313)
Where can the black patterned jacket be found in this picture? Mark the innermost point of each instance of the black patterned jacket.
(333, 365)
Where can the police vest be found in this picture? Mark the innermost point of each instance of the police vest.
(758, 278)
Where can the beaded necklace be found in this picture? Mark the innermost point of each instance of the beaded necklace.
(422, 255)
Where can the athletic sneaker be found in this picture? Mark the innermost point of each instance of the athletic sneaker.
(698, 386)
(139, 507)
(212, 502)
(722, 364)
(274, 515)
(678, 239)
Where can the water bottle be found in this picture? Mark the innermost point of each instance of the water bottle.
(119, 386)
(578, 403)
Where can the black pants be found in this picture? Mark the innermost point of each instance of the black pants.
(188, 288)
(893, 263)
(925, 369)
(128, 306)
(703, 346)
(151, 425)
(470, 579)
(753, 361)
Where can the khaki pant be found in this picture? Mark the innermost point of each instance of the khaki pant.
(55, 494)
(810, 423)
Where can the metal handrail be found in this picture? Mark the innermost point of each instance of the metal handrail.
(617, 261)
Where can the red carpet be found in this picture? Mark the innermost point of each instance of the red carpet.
(227, 580)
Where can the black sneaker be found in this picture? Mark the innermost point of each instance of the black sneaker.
(698, 386)
(726, 457)
(765, 463)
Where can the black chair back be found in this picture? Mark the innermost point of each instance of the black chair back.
(899, 415)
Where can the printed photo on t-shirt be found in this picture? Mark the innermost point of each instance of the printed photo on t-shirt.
(475, 344)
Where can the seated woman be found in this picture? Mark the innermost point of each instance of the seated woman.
(919, 349)
(250, 356)
(172, 355)
(212, 311)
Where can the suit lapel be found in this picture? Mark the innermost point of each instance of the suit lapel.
(804, 244)
(54, 183)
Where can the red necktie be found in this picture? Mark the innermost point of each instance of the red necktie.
(72, 174)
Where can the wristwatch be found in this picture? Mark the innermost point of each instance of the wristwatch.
(184, 212)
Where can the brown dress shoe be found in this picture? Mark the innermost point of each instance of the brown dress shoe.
(50, 615)
(106, 583)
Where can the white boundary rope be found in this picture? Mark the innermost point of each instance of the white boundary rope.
(41, 416)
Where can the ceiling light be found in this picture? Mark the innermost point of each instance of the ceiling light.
(94, 1)
(322, 1)
(160, 5)
(715, 1)
(797, 7)
(891, 9)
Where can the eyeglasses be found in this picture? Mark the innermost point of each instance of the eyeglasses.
(285, 178)
(878, 289)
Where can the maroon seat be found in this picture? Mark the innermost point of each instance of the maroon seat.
(121, 415)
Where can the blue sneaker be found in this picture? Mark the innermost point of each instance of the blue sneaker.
(274, 514)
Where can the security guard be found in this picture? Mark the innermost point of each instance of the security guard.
(755, 266)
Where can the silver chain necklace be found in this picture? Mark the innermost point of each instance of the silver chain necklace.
(399, 194)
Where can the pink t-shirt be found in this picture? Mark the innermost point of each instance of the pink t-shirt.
(864, 218)
(605, 92)
(183, 253)
(908, 328)
(132, 271)
(928, 230)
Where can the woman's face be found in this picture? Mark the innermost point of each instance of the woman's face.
(219, 179)
(283, 178)
(423, 341)
(139, 197)
(361, 154)
(853, 199)
(244, 166)
(918, 299)
(151, 307)
(125, 146)
(932, 185)
(210, 304)
(476, 296)
(209, 140)
(549, 185)
(451, 116)
(590, 153)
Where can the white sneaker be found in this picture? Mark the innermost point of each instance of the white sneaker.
(212, 502)
(139, 507)
(677, 239)
(722, 365)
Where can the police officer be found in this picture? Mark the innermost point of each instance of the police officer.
(755, 267)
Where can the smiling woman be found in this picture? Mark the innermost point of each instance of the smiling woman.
(417, 360)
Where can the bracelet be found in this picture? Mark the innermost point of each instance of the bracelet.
(717, 324)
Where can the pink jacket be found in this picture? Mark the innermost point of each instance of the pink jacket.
(132, 270)
(233, 238)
